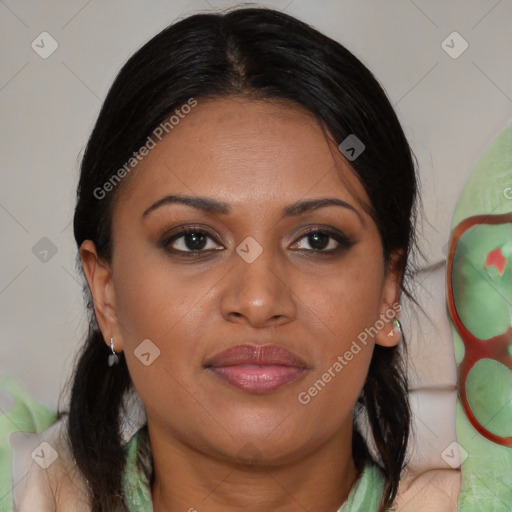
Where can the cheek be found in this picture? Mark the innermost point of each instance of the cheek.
(339, 309)
(168, 305)
(347, 299)
(152, 295)
(170, 310)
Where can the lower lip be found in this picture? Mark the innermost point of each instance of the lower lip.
(257, 379)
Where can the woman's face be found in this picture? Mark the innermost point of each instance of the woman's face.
(247, 272)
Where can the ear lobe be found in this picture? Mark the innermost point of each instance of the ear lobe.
(390, 333)
(99, 279)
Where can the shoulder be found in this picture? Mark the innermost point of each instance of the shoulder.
(435, 489)
(37, 471)
(46, 476)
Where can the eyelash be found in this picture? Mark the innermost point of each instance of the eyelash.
(344, 242)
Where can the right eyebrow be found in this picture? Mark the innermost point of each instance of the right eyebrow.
(201, 203)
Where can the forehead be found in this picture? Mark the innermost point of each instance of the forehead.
(244, 151)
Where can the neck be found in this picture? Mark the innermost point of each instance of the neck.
(187, 479)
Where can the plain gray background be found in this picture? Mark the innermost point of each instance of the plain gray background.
(450, 108)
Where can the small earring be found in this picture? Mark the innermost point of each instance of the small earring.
(112, 358)
(397, 328)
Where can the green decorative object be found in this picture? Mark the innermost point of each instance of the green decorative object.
(479, 295)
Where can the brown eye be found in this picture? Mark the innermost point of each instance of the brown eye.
(319, 240)
(324, 241)
(191, 240)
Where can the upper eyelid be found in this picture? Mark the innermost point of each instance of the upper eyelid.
(308, 229)
(176, 230)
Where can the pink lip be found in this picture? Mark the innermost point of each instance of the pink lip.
(256, 369)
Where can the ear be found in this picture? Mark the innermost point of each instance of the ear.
(389, 335)
(99, 279)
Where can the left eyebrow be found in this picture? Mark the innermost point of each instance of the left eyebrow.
(213, 206)
(301, 207)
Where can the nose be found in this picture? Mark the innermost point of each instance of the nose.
(258, 294)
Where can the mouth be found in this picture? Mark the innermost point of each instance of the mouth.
(257, 369)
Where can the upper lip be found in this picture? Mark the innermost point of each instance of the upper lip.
(265, 355)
